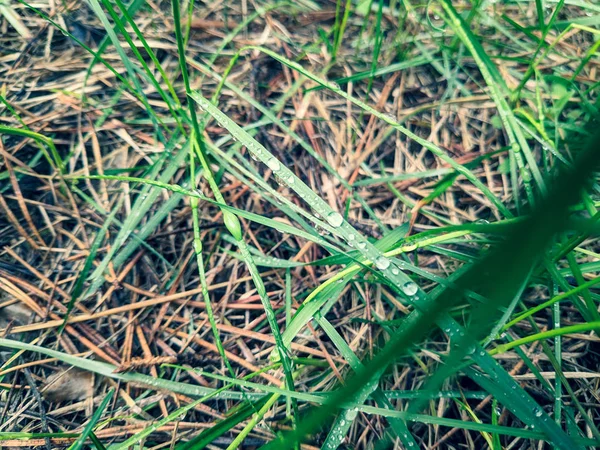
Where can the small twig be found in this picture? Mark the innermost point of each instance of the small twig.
(38, 398)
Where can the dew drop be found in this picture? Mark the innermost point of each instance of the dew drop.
(273, 164)
(361, 245)
(382, 263)
(537, 412)
(410, 288)
(334, 85)
(395, 271)
(335, 219)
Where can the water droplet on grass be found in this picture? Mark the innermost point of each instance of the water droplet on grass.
(410, 288)
(335, 219)
(351, 414)
(273, 164)
(382, 263)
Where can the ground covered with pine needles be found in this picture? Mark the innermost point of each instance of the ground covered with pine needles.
(214, 214)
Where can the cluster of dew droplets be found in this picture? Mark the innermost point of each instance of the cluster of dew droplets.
(390, 117)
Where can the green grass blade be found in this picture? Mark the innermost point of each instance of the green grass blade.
(79, 443)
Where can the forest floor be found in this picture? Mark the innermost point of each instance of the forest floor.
(211, 221)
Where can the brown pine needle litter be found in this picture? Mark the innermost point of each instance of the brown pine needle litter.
(217, 216)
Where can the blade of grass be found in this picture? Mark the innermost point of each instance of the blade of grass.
(87, 431)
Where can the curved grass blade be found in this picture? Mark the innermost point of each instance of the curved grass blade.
(231, 221)
(53, 157)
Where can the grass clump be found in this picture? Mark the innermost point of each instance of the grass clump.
(300, 225)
